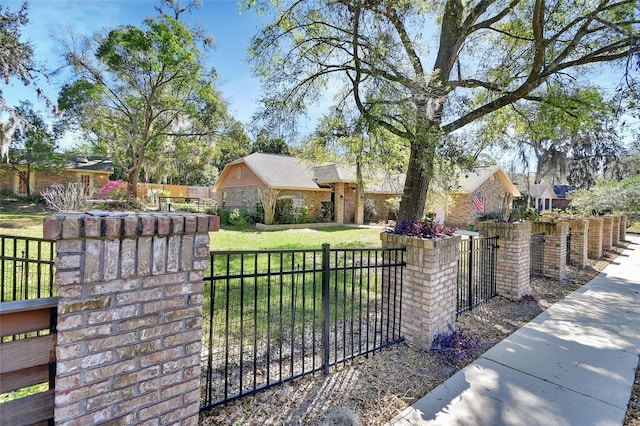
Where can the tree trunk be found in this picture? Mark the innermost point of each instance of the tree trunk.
(421, 162)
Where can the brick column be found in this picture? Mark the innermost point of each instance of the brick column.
(607, 232)
(429, 287)
(623, 228)
(615, 232)
(579, 248)
(129, 316)
(339, 203)
(595, 237)
(555, 248)
(514, 239)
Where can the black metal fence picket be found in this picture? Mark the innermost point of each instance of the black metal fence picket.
(477, 267)
(26, 268)
(272, 316)
(536, 254)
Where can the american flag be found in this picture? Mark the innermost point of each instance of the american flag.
(477, 201)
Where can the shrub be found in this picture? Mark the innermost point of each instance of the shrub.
(285, 211)
(326, 211)
(238, 219)
(370, 212)
(424, 229)
(67, 197)
(456, 345)
(115, 190)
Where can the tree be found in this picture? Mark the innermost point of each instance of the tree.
(615, 196)
(267, 144)
(142, 90)
(33, 148)
(232, 145)
(373, 55)
(16, 60)
(571, 134)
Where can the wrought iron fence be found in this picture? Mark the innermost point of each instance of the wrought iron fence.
(272, 316)
(537, 255)
(26, 268)
(477, 268)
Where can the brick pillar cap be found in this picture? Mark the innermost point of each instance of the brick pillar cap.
(98, 223)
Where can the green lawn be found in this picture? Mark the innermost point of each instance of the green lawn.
(22, 224)
(30, 225)
(337, 237)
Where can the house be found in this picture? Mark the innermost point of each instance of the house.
(92, 171)
(483, 191)
(563, 197)
(543, 196)
(309, 184)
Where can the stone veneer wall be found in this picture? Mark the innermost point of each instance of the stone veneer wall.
(429, 288)
(579, 248)
(595, 237)
(513, 269)
(607, 232)
(555, 248)
(129, 316)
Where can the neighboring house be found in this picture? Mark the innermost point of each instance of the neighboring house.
(482, 191)
(543, 196)
(309, 184)
(93, 172)
(563, 199)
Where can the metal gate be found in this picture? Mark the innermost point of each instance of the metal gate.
(537, 255)
(476, 272)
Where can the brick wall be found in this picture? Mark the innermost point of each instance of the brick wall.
(514, 239)
(129, 316)
(623, 228)
(579, 248)
(429, 285)
(607, 232)
(615, 232)
(555, 248)
(464, 213)
(595, 237)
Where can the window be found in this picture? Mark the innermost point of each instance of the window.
(239, 173)
(298, 200)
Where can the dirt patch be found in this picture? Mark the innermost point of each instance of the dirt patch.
(372, 390)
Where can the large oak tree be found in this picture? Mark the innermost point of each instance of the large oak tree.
(377, 56)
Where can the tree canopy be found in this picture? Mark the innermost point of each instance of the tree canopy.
(142, 93)
(376, 57)
(16, 60)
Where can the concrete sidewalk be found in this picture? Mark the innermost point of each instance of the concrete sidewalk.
(574, 364)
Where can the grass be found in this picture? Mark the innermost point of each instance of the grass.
(30, 225)
(336, 236)
(22, 224)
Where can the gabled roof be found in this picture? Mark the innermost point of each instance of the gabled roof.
(562, 191)
(275, 171)
(542, 190)
(91, 163)
(471, 180)
(333, 172)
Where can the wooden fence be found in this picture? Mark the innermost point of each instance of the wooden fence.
(27, 359)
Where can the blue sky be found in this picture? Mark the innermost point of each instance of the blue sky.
(221, 19)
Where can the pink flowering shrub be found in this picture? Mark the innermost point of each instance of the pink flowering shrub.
(115, 190)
